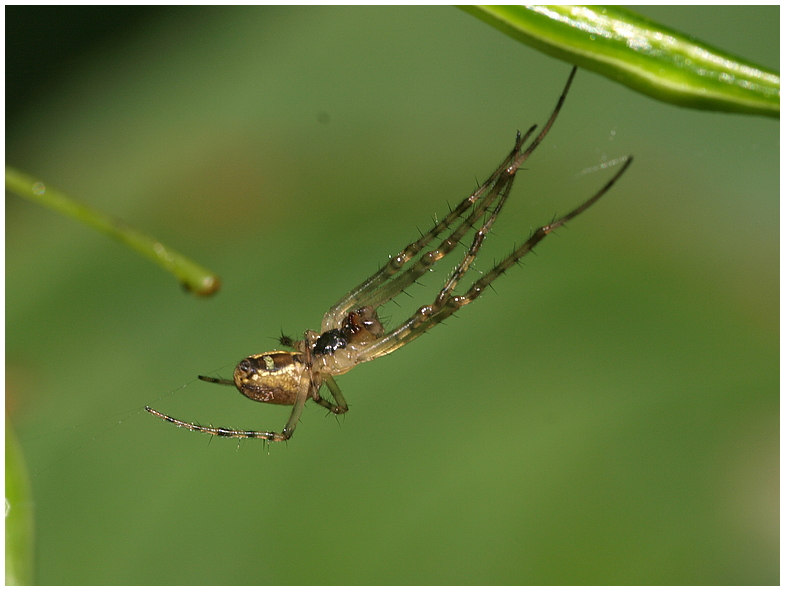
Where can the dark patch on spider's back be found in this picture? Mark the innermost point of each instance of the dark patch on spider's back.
(329, 342)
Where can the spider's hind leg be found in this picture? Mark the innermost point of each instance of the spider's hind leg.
(222, 431)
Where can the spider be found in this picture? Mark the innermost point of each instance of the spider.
(351, 332)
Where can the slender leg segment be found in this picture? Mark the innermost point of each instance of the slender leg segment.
(217, 381)
(340, 405)
(384, 285)
(220, 431)
(376, 290)
(446, 304)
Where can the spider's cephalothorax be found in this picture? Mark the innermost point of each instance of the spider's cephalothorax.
(351, 332)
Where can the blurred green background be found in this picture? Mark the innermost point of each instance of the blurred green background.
(608, 416)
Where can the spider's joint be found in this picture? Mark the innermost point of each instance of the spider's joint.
(425, 311)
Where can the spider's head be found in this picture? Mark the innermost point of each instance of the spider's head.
(362, 326)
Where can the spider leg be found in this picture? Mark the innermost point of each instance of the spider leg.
(302, 395)
(474, 249)
(418, 268)
(479, 286)
(388, 283)
(340, 405)
(217, 381)
(447, 304)
(524, 156)
(297, 410)
(374, 292)
(218, 431)
(408, 331)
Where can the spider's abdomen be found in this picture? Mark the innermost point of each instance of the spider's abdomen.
(272, 377)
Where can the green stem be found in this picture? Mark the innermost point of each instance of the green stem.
(642, 54)
(19, 523)
(194, 277)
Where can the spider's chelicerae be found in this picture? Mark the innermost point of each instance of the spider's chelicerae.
(351, 331)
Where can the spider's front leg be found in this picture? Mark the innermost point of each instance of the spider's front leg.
(394, 277)
(277, 377)
(446, 303)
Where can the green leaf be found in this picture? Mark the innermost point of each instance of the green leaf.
(639, 53)
(193, 277)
